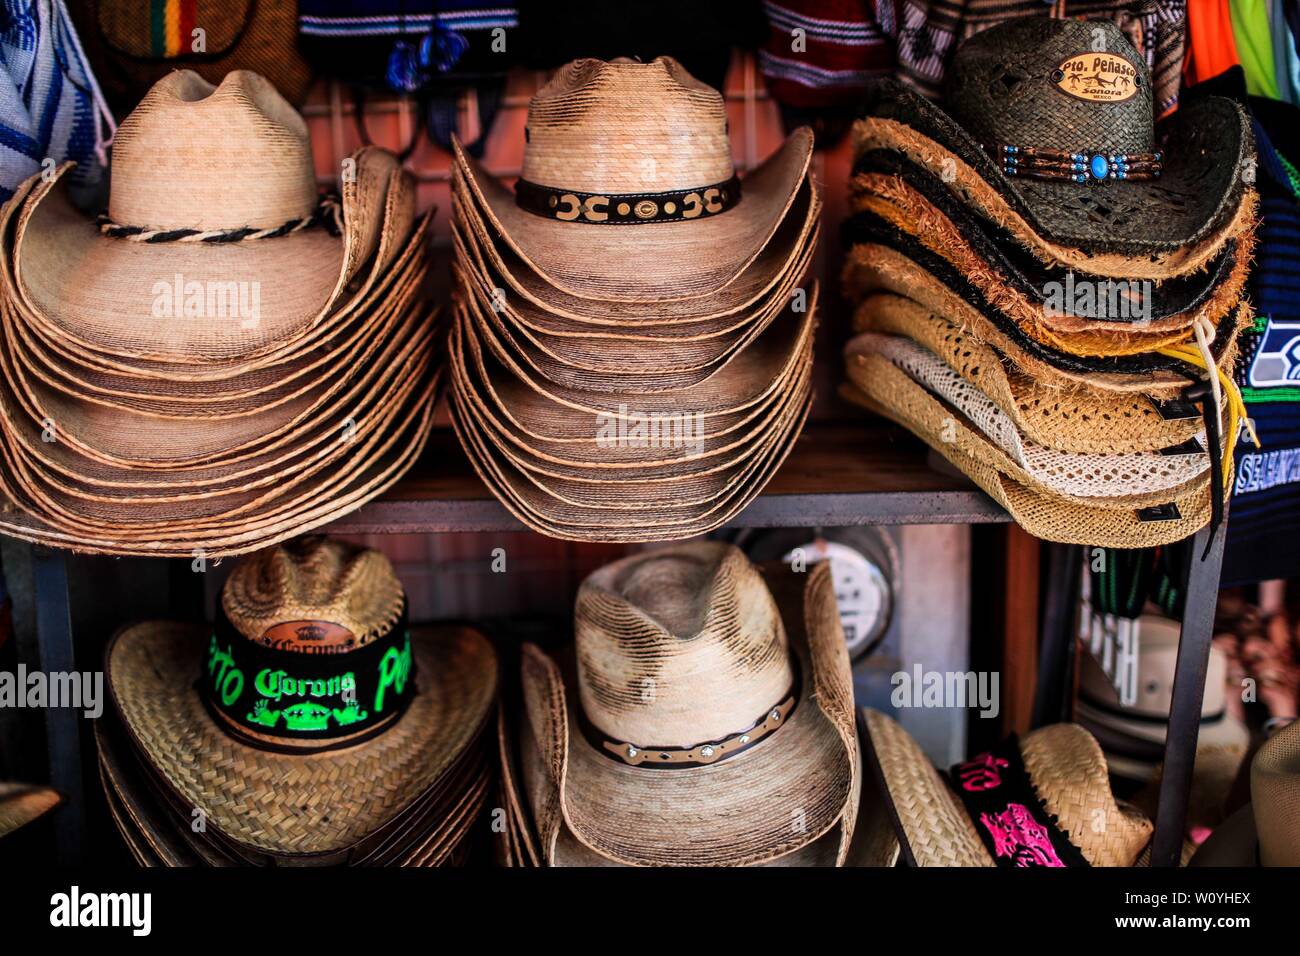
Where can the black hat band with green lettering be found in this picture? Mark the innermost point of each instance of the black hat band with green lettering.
(267, 692)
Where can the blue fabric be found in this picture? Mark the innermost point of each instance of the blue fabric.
(336, 18)
(50, 107)
(1264, 522)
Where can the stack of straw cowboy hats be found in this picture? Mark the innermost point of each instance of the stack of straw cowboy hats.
(704, 717)
(632, 348)
(311, 726)
(1049, 285)
(224, 359)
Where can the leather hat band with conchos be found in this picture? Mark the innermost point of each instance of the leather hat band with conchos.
(698, 755)
(627, 209)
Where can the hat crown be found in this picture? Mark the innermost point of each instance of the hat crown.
(1275, 797)
(679, 646)
(310, 582)
(1156, 665)
(1053, 84)
(1068, 772)
(195, 156)
(626, 127)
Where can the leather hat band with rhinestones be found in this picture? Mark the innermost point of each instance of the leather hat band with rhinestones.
(627, 209)
(259, 688)
(1082, 166)
(699, 755)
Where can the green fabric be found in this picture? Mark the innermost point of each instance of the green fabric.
(1254, 40)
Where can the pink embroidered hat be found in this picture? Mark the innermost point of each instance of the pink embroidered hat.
(1042, 800)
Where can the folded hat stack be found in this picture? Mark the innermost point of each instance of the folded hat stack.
(632, 348)
(312, 726)
(224, 359)
(1049, 286)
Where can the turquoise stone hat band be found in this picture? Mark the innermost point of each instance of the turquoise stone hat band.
(1087, 166)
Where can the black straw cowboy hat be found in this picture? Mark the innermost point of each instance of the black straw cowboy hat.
(1056, 116)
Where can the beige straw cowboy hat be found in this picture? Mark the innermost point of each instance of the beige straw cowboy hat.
(321, 725)
(875, 268)
(1265, 832)
(628, 190)
(557, 313)
(1042, 800)
(1130, 521)
(709, 724)
(1084, 476)
(1068, 416)
(200, 175)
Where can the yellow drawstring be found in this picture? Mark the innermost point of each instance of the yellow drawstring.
(1221, 384)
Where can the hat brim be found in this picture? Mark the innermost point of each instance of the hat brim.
(302, 805)
(1190, 206)
(1029, 303)
(765, 803)
(922, 196)
(559, 313)
(104, 294)
(22, 804)
(946, 284)
(1053, 414)
(654, 262)
(1052, 517)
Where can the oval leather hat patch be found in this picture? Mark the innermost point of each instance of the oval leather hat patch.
(309, 637)
(1098, 77)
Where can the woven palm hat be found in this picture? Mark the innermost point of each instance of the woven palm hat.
(564, 425)
(1042, 800)
(1075, 312)
(897, 265)
(628, 190)
(1056, 413)
(303, 742)
(598, 510)
(1124, 522)
(1091, 477)
(196, 166)
(596, 356)
(1265, 832)
(710, 723)
(242, 521)
(703, 316)
(889, 179)
(24, 803)
(1133, 735)
(378, 202)
(159, 831)
(1081, 89)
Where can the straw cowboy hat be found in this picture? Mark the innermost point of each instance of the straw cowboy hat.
(1133, 736)
(709, 723)
(182, 431)
(215, 185)
(1049, 133)
(642, 148)
(912, 197)
(24, 803)
(889, 259)
(1053, 511)
(1111, 318)
(1052, 412)
(1265, 832)
(1042, 800)
(322, 727)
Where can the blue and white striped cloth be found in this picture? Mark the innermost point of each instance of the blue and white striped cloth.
(50, 105)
